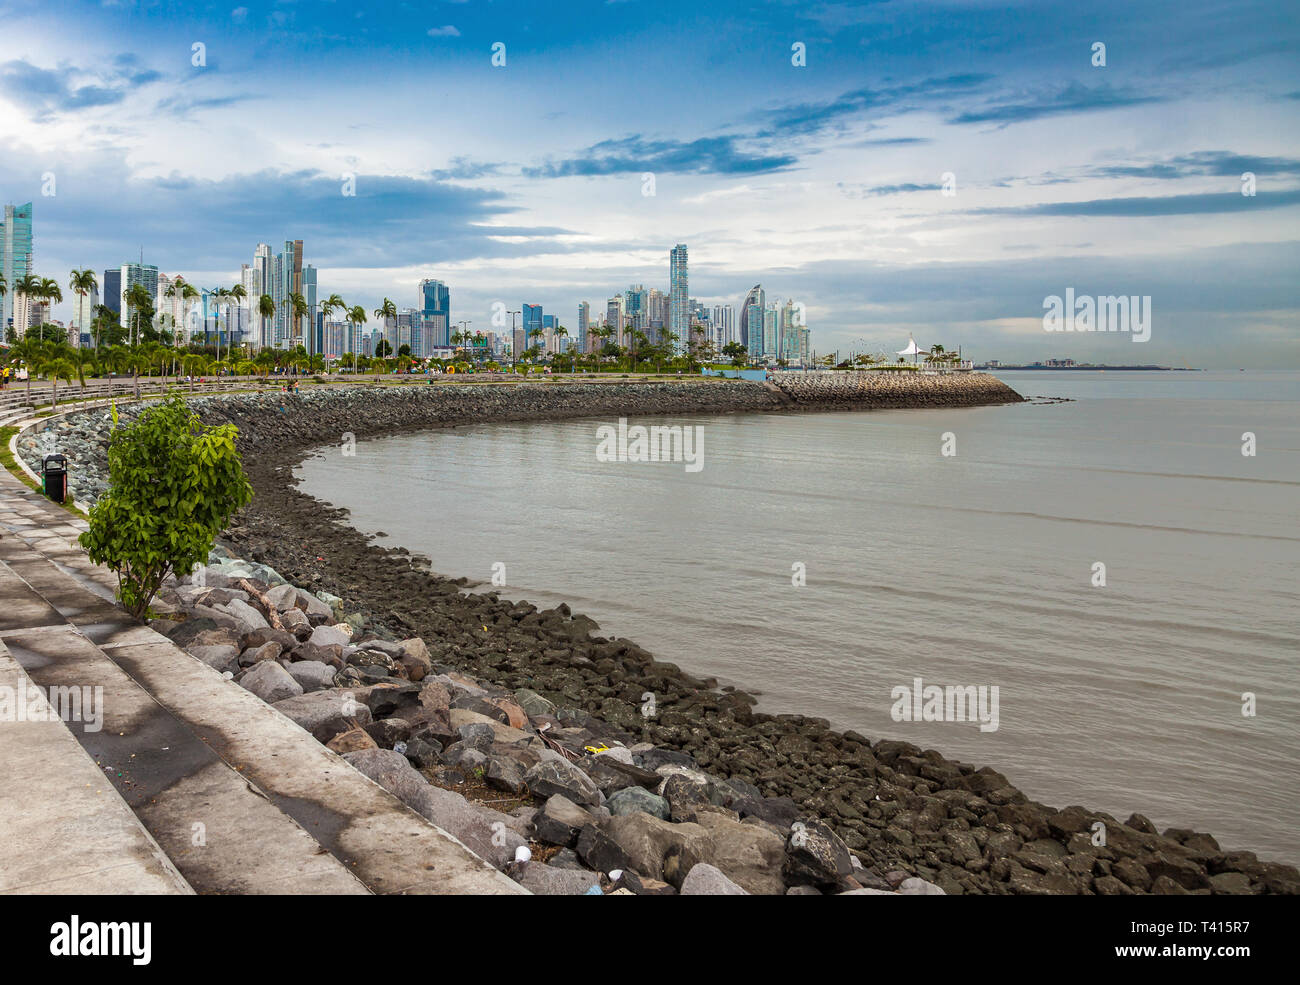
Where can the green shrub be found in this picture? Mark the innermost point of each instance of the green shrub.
(174, 483)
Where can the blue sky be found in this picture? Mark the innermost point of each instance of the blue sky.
(524, 182)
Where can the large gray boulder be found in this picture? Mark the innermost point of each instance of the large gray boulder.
(270, 682)
(707, 880)
(250, 619)
(283, 597)
(325, 713)
(219, 656)
(748, 854)
(648, 841)
(543, 880)
(552, 777)
(629, 800)
(560, 820)
(329, 636)
(312, 674)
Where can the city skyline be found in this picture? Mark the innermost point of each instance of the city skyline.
(826, 179)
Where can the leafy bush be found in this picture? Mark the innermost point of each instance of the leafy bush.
(174, 483)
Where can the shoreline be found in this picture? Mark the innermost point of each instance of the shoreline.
(897, 807)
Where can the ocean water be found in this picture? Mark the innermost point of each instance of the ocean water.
(975, 568)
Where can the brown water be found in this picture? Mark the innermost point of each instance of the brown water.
(974, 569)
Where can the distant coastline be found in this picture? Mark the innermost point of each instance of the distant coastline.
(1095, 368)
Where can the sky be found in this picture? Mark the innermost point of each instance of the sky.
(938, 169)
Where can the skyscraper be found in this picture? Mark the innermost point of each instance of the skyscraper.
(113, 290)
(145, 274)
(723, 322)
(287, 278)
(264, 277)
(309, 295)
(435, 312)
(754, 297)
(15, 256)
(532, 321)
(83, 313)
(584, 322)
(679, 297)
(616, 318)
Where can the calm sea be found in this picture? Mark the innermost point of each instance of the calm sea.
(975, 568)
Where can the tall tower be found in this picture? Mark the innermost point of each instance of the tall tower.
(751, 331)
(435, 313)
(15, 258)
(584, 322)
(679, 297)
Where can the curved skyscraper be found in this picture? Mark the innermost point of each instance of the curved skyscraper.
(753, 298)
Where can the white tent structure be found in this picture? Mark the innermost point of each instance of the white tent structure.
(912, 349)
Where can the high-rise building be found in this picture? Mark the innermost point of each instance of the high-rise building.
(616, 318)
(722, 320)
(657, 312)
(264, 278)
(112, 288)
(752, 341)
(679, 297)
(531, 322)
(584, 323)
(145, 274)
(83, 314)
(309, 295)
(771, 323)
(15, 260)
(435, 312)
(287, 280)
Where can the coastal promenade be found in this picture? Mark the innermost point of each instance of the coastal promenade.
(185, 784)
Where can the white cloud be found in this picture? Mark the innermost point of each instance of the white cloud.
(446, 31)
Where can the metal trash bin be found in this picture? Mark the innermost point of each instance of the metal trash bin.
(54, 477)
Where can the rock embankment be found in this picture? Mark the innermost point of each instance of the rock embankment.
(880, 390)
(278, 421)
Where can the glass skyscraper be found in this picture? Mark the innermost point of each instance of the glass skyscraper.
(15, 256)
(113, 290)
(532, 319)
(679, 298)
(751, 332)
(435, 315)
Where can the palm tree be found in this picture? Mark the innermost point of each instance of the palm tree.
(384, 312)
(299, 305)
(561, 333)
(82, 282)
(26, 287)
(117, 360)
(4, 289)
(60, 369)
(137, 299)
(329, 306)
(356, 316)
(194, 364)
(29, 351)
(50, 291)
(266, 309)
(234, 295)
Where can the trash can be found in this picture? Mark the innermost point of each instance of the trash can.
(54, 477)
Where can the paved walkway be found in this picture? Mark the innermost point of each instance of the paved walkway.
(189, 781)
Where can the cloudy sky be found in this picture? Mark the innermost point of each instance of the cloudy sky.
(824, 181)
